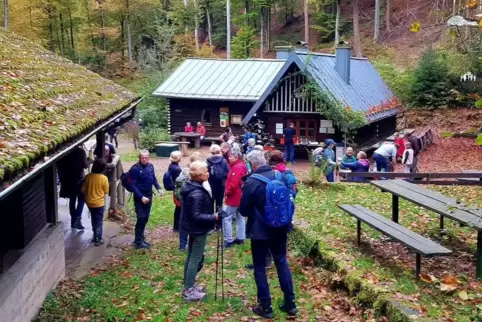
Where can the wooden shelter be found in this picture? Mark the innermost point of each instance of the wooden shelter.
(223, 93)
(49, 107)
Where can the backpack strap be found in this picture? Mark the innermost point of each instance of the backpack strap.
(260, 178)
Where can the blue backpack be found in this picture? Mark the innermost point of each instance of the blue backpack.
(168, 182)
(279, 208)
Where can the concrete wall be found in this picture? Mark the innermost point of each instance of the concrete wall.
(24, 286)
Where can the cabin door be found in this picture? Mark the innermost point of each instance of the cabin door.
(305, 128)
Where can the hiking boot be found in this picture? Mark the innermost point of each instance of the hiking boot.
(192, 295)
(142, 246)
(229, 245)
(77, 225)
(148, 244)
(266, 313)
(99, 242)
(291, 309)
(238, 241)
(200, 288)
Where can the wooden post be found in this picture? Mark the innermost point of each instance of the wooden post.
(395, 208)
(358, 232)
(120, 188)
(51, 198)
(100, 138)
(418, 265)
(478, 256)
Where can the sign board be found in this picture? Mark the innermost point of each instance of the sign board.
(323, 130)
(224, 117)
(279, 128)
(326, 123)
(339, 152)
(331, 130)
(236, 119)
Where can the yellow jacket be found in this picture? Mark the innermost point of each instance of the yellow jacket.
(95, 187)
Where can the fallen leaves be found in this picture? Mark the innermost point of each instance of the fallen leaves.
(463, 295)
(427, 278)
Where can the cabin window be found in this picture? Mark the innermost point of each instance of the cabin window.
(207, 117)
(305, 128)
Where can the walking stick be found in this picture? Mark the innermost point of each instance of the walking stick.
(217, 266)
(222, 265)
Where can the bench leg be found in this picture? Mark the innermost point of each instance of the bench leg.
(395, 208)
(441, 222)
(358, 232)
(478, 254)
(197, 143)
(418, 264)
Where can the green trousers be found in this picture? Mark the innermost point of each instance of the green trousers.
(195, 252)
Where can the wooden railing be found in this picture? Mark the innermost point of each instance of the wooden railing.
(117, 195)
(427, 138)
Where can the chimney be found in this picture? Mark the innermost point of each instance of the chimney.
(343, 60)
(283, 52)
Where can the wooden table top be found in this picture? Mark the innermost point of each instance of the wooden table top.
(190, 134)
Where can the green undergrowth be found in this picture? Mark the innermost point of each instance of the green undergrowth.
(147, 286)
(380, 276)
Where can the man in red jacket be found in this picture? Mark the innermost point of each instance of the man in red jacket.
(233, 199)
(201, 130)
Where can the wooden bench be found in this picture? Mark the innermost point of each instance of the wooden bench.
(182, 146)
(419, 244)
(470, 179)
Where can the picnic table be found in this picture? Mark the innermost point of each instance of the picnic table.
(187, 136)
(445, 206)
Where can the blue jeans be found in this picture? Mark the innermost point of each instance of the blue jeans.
(142, 213)
(278, 249)
(97, 217)
(382, 162)
(290, 152)
(76, 207)
(331, 177)
(232, 213)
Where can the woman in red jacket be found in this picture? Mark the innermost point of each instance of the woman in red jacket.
(399, 139)
(234, 182)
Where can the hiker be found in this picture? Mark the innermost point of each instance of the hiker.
(248, 134)
(174, 170)
(250, 145)
(407, 158)
(329, 157)
(71, 170)
(188, 128)
(265, 239)
(180, 180)
(233, 198)
(400, 140)
(218, 173)
(201, 130)
(349, 156)
(276, 161)
(385, 156)
(227, 136)
(98, 151)
(416, 147)
(143, 177)
(360, 165)
(288, 135)
(112, 131)
(96, 187)
(226, 151)
(197, 219)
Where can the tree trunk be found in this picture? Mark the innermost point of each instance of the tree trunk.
(5, 14)
(454, 8)
(62, 33)
(196, 27)
(262, 33)
(210, 38)
(337, 22)
(356, 29)
(51, 28)
(102, 26)
(228, 29)
(186, 28)
(122, 36)
(376, 35)
(71, 26)
(388, 15)
(129, 36)
(268, 30)
(307, 28)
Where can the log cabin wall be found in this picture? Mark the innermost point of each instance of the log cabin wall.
(375, 132)
(208, 112)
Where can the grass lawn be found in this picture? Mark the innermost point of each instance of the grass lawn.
(147, 286)
(448, 288)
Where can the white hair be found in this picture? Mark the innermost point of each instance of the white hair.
(176, 156)
(256, 158)
(141, 152)
(215, 149)
(258, 147)
(236, 153)
(251, 140)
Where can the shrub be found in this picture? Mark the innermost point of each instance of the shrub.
(398, 80)
(150, 137)
(244, 43)
(431, 81)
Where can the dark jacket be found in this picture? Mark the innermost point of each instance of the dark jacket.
(175, 170)
(217, 161)
(71, 172)
(197, 216)
(98, 151)
(415, 146)
(362, 165)
(252, 206)
(142, 180)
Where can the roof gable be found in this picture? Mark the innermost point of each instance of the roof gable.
(220, 79)
(47, 100)
(365, 91)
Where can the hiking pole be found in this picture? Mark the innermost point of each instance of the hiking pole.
(217, 268)
(222, 265)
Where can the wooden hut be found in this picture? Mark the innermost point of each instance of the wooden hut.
(223, 93)
(49, 106)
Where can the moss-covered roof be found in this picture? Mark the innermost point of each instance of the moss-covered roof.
(46, 100)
